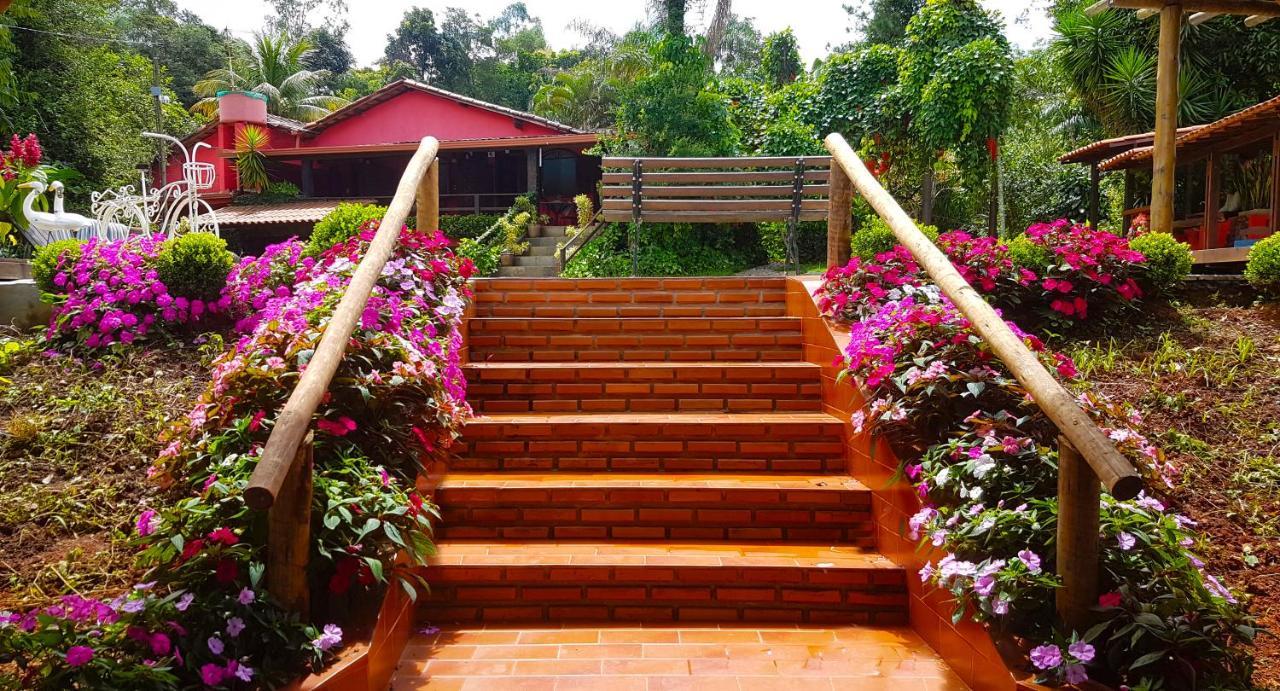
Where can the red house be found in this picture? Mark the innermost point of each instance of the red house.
(489, 154)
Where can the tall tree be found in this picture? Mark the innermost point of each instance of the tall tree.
(673, 17)
(884, 21)
(739, 51)
(296, 18)
(780, 60)
(276, 68)
(442, 54)
(184, 45)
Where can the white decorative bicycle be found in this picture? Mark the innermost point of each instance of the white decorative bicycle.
(164, 208)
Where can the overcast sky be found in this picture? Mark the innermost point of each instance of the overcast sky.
(817, 23)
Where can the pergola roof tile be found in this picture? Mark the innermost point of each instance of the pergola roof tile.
(304, 211)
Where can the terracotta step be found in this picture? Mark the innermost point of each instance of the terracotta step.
(632, 297)
(600, 506)
(689, 442)
(656, 582)
(503, 339)
(500, 387)
(708, 658)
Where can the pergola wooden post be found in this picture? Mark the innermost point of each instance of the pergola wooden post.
(1162, 175)
(1170, 11)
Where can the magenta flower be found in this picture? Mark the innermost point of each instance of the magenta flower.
(246, 596)
(215, 645)
(1076, 674)
(1031, 559)
(1081, 651)
(212, 674)
(78, 655)
(146, 524)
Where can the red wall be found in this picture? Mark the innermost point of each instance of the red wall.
(224, 137)
(415, 114)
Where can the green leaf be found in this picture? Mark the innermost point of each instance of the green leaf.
(375, 566)
(1147, 659)
(393, 533)
(332, 520)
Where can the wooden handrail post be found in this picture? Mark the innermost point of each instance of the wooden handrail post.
(289, 534)
(1079, 493)
(429, 198)
(839, 216)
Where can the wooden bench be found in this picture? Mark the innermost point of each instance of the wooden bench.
(786, 189)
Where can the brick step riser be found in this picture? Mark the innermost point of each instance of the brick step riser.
(629, 305)
(649, 464)
(704, 387)
(569, 311)
(644, 513)
(657, 594)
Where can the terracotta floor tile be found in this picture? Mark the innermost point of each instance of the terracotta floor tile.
(559, 636)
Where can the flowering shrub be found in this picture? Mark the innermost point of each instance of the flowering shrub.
(21, 163)
(112, 293)
(982, 457)
(397, 399)
(1089, 266)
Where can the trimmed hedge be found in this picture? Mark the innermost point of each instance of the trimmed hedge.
(1168, 261)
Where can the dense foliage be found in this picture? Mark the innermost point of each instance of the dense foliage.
(194, 266)
(344, 222)
(1167, 263)
(1263, 268)
(982, 457)
(201, 615)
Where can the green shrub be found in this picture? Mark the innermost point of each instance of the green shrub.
(485, 257)
(468, 225)
(1263, 269)
(669, 249)
(44, 262)
(342, 223)
(511, 230)
(877, 237)
(1168, 261)
(586, 210)
(1028, 255)
(811, 238)
(195, 265)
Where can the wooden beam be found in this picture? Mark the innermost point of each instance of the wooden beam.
(1059, 405)
(1095, 182)
(1200, 18)
(1275, 183)
(1164, 146)
(1146, 14)
(1265, 8)
(1077, 543)
(839, 217)
(289, 535)
(428, 198)
(1256, 19)
(1212, 187)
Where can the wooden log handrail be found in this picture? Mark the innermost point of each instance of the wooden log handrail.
(419, 183)
(1115, 471)
(1086, 455)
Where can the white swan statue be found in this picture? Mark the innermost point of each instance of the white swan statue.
(43, 226)
(89, 227)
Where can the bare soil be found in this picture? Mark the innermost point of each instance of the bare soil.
(1206, 376)
(76, 438)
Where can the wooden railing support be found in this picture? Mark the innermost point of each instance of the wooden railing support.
(839, 216)
(428, 198)
(1079, 494)
(289, 534)
(295, 418)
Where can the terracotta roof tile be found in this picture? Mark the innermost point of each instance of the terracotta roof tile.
(1251, 116)
(305, 211)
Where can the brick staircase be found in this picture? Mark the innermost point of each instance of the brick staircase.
(650, 471)
(540, 259)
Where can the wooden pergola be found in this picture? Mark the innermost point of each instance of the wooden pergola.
(1163, 150)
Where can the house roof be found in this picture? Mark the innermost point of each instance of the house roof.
(304, 211)
(293, 126)
(1109, 148)
(1253, 117)
(551, 140)
(400, 86)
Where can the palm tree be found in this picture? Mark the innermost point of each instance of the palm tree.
(275, 68)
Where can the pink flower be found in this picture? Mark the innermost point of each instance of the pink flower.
(212, 674)
(1046, 656)
(246, 596)
(160, 644)
(1081, 651)
(78, 655)
(1126, 541)
(1110, 600)
(224, 536)
(146, 524)
(339, 428)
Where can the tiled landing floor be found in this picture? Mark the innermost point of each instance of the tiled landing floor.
(658, 658)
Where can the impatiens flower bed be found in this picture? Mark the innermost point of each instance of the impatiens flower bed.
(111, 293)
(203, 616)
(1079, 269)
(983, 460)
